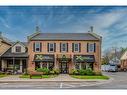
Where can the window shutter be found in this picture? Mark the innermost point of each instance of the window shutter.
(34, 47)
(40, 46)
(87, 47)
(54, 47)
(60, 47)
(79, 47)
(72, 47)
(67, 47)
(48, 47)
(94, 47)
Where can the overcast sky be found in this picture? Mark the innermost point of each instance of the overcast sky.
(17, 23)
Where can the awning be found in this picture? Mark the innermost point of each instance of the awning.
(84, 58)
(44, 58)
(63, 58)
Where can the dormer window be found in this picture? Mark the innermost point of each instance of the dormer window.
(18, 49)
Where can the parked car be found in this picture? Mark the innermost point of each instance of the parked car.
(113, 68)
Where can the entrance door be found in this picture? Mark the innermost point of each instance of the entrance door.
(64, 68)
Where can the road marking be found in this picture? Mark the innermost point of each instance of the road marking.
(61, 84)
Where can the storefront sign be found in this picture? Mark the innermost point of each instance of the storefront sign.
(42, 57)
(84, 58)
(63, 58)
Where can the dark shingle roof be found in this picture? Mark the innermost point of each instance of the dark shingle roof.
(64, 36)
(8, 53)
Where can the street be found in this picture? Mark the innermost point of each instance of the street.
(119, 82)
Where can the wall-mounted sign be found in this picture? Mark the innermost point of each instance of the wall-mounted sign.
(63, 58)
(84, 58)
(43, 57)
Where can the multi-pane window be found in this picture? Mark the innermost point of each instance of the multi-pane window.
(76, 47)
(64, 47)
(51, 47)
(18, 49)
(91, 47)
(37, 47)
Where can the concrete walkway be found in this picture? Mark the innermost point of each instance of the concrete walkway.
(60, 78)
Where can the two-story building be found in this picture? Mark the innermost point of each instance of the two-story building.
(14, 59)
(64, 51)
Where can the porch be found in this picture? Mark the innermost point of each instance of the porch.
(14, 65)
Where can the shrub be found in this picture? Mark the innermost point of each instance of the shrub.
(98, 73)
(74, 72)
(44, 70)
(82, 72)
(56, 71)
(52, 72)
(89, 71)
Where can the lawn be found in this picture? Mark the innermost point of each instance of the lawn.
(38, 77)
(2, 75)
(90, 77)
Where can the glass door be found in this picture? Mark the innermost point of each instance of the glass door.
(64, 68)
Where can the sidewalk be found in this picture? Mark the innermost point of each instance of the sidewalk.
(59, 78)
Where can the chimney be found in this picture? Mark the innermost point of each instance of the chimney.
(91, 29)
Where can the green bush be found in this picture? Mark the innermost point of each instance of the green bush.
(52, 72)
(98, 73)
(89, 71)
(82, 72)
(74, 72)
(44, 70)
(56, 71)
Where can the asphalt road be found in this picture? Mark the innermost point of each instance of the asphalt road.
(119, 82)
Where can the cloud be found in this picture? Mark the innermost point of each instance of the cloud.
(4, 22)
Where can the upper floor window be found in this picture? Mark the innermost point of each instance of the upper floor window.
(51, 47)
(64, 47)
(91, 47)
(37, 47)
(18, 49)
(76, 47)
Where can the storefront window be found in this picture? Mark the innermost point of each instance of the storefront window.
(83, 66)
(44, 65)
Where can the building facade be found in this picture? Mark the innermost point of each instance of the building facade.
(5, 44)
(14, 59)
(64, 51)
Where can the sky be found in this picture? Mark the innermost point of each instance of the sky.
(18, 22)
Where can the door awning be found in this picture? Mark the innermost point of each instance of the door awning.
(44, 58)
(63, 58)
(84, 58)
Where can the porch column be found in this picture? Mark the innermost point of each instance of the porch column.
(13, 65)
(56, 66)
(21, 65)
(3, 65)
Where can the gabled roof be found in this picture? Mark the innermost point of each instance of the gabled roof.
(124, 56)
(6, 40)
(65, 36)
(9, 53)
(21, 43)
